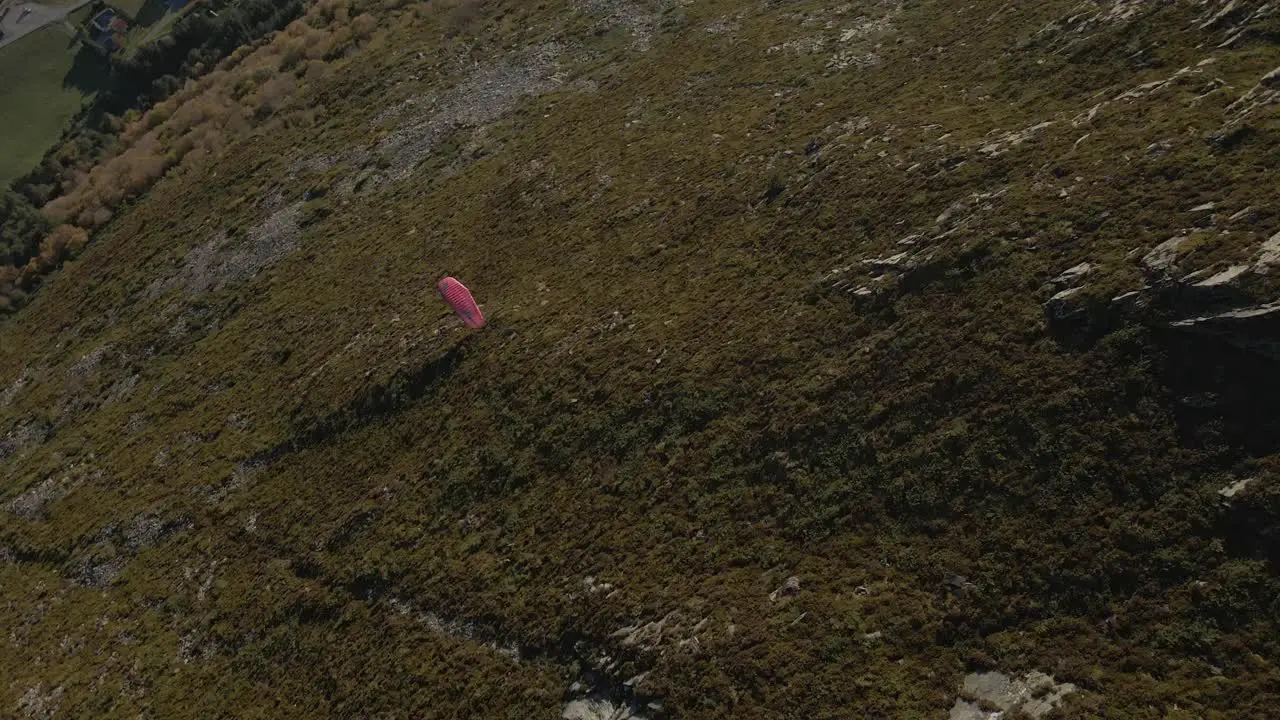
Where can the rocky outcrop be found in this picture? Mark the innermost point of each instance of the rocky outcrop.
(1035, 695)
(1164, 256)
(597, 709)
(1255, 328)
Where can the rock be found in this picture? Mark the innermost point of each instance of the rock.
(596, 709)
(790, 587)
(889, 262)
(1062, 306)
(1130, 303)
(1034, 694)
(965, 710)
(34, 503)
(672, 629)
(946, 215)
(1223, 278)
(1203, 208)
(1252, 328)
(1235, 488)
(8, 394)
(1163, 256)
(27, 434)
(35, 704)
(957, 584)
(1248, 213)
(1268, 254)
(1072, 277)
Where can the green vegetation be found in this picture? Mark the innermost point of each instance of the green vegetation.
(98, 163)
(767, 285)
(38, 101)
(134, 8)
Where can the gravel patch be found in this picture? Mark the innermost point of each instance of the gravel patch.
(9, 393)
(34, 503)
(491, 91)
(26, 434)
(36, 704)
(223, 261)
(115, 546)
(87, 365)
(634, 17)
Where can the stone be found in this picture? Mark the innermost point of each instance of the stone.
(1235, 488)
(1035, 694)
(1268, 254)
(596, 709)
(957, 584)
(1248, 212)
(1223, 278)
(888, 262)
(1064, 305)
(790, 587)
(34, 503)
(1163, 256)
(1204, 208)
(1131, 302)
(965, 710)
(1073, 276)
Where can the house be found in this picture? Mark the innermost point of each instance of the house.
(108, 29)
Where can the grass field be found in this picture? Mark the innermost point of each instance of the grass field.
(34, 101)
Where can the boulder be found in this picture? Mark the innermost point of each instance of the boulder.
(790, 587)
(596, 709)
(1268, 254)
(1225, 277)
(1035, 695)
(1072, 277)
(1235, 488)
(1064, 305)
(1162, 257)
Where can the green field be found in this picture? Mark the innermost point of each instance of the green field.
(35, 102)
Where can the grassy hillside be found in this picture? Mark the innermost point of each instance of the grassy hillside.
(37, 98)
(786, 408)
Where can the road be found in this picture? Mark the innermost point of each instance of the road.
(25, 18)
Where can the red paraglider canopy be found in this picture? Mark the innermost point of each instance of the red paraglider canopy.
(459, 298)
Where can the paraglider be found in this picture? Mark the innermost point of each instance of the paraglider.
(460, 299)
